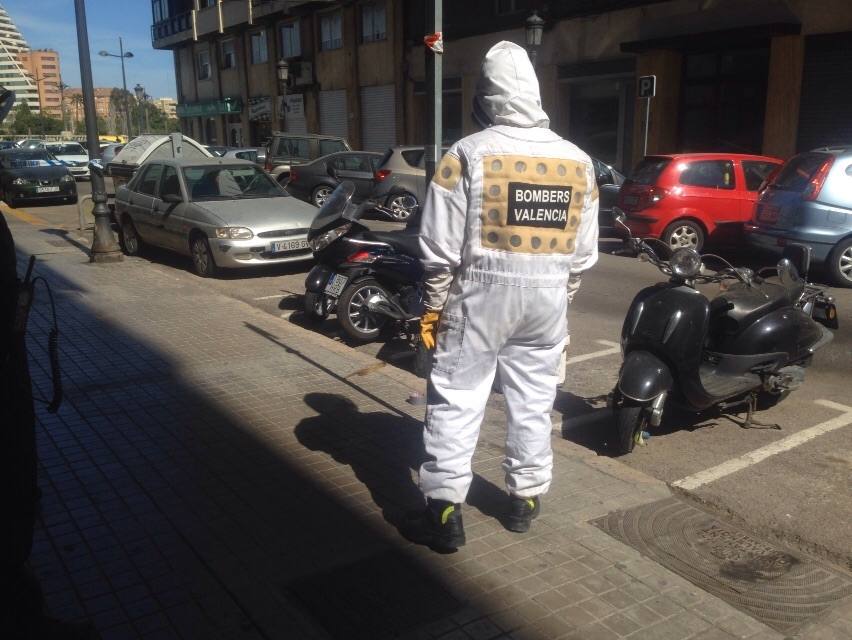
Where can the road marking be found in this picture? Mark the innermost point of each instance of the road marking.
(286, 315)
(785, 444)
(23, 216)
(614, 348)
(277, 295)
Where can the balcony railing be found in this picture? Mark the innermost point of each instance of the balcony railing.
(171, 26)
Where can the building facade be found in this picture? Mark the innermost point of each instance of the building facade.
(768, 76)
(167, 106)
(42, 65)
(73, 98)
(13, 75)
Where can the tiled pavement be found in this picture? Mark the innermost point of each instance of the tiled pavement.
(216, 472)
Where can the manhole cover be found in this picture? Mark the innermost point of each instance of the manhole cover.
(381, 596)
(770, 584)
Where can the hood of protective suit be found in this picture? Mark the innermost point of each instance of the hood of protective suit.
(507, 91)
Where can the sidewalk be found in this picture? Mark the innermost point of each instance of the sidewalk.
(216, 472)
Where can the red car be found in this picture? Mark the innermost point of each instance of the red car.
(687, 199)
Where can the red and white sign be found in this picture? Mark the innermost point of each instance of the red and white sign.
(435, 42)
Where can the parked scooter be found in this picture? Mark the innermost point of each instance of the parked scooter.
(367, 278)
(746, 347)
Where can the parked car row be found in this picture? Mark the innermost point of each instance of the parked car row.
(756, 201)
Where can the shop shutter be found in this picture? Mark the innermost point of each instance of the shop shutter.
(378, 118)
(333, 113)
(826, 92)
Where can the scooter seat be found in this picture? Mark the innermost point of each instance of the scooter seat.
(744, 304)
(407, 242)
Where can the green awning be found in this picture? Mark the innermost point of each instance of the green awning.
(213, 108)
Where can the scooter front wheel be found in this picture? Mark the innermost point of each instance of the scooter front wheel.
(316, 307)
(630, 420)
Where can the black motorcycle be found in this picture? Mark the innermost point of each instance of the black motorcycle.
(368, 278)
(746, 347)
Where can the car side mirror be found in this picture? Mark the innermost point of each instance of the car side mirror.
(172, 198)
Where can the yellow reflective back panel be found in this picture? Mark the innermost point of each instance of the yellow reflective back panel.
(532, 205)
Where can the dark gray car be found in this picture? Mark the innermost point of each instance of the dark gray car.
(313, 182)
(809, 201)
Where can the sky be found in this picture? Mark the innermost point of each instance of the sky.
(50, 24)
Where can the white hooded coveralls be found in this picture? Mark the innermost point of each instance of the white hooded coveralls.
(510, 214)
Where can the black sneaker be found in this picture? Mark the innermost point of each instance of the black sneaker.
(439, 526)
(522, 511)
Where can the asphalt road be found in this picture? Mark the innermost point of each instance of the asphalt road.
(794, 484)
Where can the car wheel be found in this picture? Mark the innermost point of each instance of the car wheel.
(202, 256)
(131, 244)
(358, 321)
(684, 233)
(840, 264)
(399, 212)
(321, 194)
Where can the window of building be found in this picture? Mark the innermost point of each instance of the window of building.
(203, 65)
(291, 45)
(206, 3)
(229, 55)
(331, 31)
(373, 22)
(259, 47)
(507, 7)
(712, 174)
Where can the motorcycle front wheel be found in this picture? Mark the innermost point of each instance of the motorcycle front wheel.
(316, 307)
(354, 316)
(630, 421)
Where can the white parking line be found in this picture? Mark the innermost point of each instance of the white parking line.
(785, 444)
(614, 348)
(278, 295)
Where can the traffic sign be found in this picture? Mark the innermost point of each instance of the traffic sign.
(647, 86)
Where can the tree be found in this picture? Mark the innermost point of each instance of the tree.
(77, 103)
(24, 117)
(118, 100)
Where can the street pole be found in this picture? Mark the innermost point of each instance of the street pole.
(104, 246)
(434, 90)
(647, 123)
(124, 86)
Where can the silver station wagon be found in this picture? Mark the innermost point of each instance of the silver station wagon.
(223, 212)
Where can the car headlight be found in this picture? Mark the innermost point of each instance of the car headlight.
(685, 263)
(321, 242)
(21, 181)
(234, 233)
(67, 178)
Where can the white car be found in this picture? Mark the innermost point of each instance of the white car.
(73, 155)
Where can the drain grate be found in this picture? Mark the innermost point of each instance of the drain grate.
(770, 584)
(381, 596)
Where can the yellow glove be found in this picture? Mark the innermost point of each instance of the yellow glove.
(429, 328)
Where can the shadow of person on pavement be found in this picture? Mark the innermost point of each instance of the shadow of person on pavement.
(385, 452)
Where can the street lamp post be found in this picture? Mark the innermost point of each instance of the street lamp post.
(104, 246)
(122, 54)
(534, 29)
(139, 90)
(282, 70)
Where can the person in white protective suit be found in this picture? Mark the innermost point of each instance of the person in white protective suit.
(510, 216)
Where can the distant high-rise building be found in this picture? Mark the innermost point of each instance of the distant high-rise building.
(13, 74)
(42, 65)
(167, 106)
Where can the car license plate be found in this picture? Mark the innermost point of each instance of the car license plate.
(768, 213)
(289, 245)
(336, 283)
(47, 189)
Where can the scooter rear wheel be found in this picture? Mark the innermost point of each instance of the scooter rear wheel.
(354, 316)
(630, 419)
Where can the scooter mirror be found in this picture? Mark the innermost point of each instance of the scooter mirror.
(800, 256)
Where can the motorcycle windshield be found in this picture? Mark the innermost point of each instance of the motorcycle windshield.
(339, 206)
